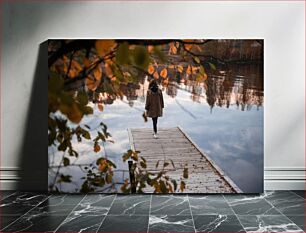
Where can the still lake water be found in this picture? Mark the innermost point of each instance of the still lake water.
(226, 121)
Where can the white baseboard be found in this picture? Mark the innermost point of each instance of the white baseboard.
(284, 178)
(275, 178)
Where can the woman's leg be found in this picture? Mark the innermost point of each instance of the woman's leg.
(154, 119)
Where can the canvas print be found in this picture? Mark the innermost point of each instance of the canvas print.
(155, 116)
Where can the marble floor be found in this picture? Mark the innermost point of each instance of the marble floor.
(273, 211)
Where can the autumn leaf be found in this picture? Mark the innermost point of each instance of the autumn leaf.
(97, 148)
(196, 59)
(187, 45)
(171, 66)
(172, 49)
(66, 161)
(92, 83)
(180, 68)
(109, 178)
(108, 70)
(150, 48)
(188, 71)
(75, 69)
(182, 186)
(86, 62)
(103, 47)
(156, 75)
(74, 114)
(150, 69)
(98, 73)
(194, 69)
(100, 107)
(185, 173)
(164, 73)
(212, 66)
(202, 71)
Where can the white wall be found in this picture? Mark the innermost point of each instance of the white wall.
(281, 24)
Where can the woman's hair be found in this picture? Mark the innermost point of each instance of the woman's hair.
(153, 83)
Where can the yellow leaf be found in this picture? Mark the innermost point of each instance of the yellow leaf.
(156, 75)
(150, 69)
(104, 46)
(164, 73)
(180, 68)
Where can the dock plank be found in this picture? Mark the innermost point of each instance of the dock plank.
(174, 144)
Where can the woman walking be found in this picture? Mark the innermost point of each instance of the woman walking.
(154, 104)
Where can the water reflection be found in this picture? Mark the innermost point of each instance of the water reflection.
(224, 117)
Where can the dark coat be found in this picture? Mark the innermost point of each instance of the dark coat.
(154, 103)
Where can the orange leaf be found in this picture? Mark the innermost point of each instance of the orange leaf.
(109, 61)
(156, 75)
(97, 148)
(98, 73)
(194, 69)
(173, 49)
(150, 69)
(150, 48)
(108, 70)
(92, 83)
(104, 46)
(171, 66)
(164, 73)
(76, 65)
(100, 107)
(188, 71)
(188, 46)
(86, 62)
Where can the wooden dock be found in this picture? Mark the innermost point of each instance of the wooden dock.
(204, 176)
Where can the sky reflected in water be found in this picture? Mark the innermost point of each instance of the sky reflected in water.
(232, 135)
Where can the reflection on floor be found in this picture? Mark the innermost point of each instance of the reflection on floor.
(273, 211)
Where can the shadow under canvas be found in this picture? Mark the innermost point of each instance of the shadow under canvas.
(34, 160)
